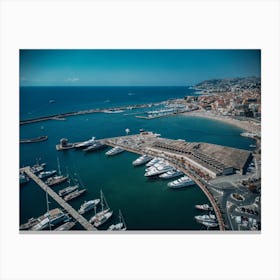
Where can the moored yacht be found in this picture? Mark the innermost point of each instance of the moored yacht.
(205, 207)
(85, 143)
(88, 205)
(157, 165)
(116, 150)
(153, 161)
(157, 170)
(45, 174)
(101, 217)
(210, 224)
(171, 174)
(51, 219)
(141, 160)
(67, 190)
(55, 180)
(74, 194)
(120, 225)
(206, 218)
(184, 181)
(97, 145)
(36, 168)
(58, 179)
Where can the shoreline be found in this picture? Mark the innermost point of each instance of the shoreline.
(248, 126)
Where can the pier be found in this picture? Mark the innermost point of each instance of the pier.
(79, 218)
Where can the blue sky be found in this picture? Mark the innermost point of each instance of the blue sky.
(134, 67)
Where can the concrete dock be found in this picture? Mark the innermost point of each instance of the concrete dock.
(79, 218)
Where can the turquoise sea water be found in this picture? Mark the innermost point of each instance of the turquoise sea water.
(145, 204)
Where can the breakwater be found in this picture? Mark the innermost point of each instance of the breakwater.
(62, 116)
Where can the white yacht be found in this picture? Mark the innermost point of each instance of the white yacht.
(56, 180)
(205, 207)
(206, 218)
(158, 170)
(85, 143)
(68, 190)
(116, 150)
(88, 205)
(153, 161)
(97, 145)
(101, 217)
(171, 174)
(157, 165)
(184, 181)
(51, 220)
(45, 174)
(141, 160)
(36, 168)
(120, 225)
(210, 224)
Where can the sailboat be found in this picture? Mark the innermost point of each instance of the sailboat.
(119, 226)
(55, 180)
(101, 217)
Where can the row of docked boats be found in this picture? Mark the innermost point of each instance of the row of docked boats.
(158, 167)
(51, 176)
(56, 217)
(93, 145)
(48, 220)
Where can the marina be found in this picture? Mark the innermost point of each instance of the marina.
(147, 139)
(82, 221)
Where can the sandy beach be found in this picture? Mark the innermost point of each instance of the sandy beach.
(249, 126)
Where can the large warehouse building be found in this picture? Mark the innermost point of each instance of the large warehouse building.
(215, 160)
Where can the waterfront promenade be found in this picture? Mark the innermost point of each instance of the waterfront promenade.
(82, 221)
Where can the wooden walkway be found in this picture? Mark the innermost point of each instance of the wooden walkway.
(86, 225)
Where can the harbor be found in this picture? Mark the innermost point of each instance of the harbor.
(199, 167)
(184, 145)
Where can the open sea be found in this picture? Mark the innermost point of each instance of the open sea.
(145, 204)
